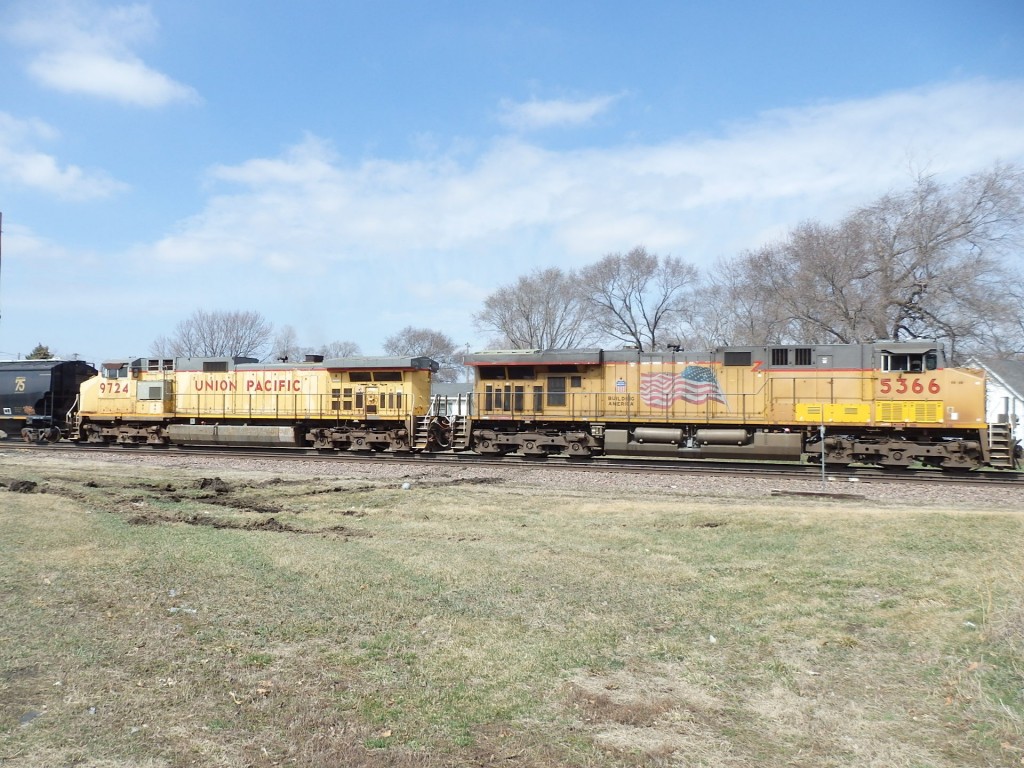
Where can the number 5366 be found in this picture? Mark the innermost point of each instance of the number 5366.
(902, 386)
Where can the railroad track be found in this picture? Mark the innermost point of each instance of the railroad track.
(676, 467)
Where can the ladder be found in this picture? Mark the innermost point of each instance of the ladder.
(1001, 446)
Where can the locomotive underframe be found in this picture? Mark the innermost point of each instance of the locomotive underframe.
(962, 449)
(123, 433)
(625, 439)
(347, 436)
(536, 441)
(391, 436)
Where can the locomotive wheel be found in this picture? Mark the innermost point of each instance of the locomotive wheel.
(578, 449)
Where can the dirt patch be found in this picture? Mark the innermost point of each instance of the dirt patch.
(22, 486)
(214, 484)
(474, 481)
(656, 713)
(245, 506)
(602, 706)
(341, 489)
(269, 525)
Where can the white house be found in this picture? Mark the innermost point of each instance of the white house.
(1004, 396)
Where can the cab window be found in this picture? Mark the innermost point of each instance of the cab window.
(912, 363)
(113, 372)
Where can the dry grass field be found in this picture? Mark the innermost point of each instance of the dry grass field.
(180, 614)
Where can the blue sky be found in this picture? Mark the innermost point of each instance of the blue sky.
(351, 168)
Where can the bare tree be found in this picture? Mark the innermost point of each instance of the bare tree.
(930, 262)
(936, 258)
(217, 334)
(339, 349)
(424, 342)
(640, 298)
(731, 309)
(287, 347)
(808, 288)
(543, 310)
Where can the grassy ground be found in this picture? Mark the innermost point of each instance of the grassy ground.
(146, 620)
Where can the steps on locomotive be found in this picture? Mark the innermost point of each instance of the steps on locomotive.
(460, 432)
(441, 408)
(1001, 446)
(74, 421)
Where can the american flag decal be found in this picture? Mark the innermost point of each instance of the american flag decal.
(696, 385)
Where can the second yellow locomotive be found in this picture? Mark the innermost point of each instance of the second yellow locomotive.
(887, 403)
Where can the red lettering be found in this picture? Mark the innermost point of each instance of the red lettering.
(272, 385)
(211, 385)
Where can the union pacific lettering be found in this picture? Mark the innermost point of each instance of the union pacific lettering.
(272, 385)
(214, 385)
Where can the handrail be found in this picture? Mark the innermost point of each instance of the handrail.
(72, 409)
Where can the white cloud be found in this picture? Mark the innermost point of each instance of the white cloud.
(693, 197)
(534, 115)
(80, 47)
(23, 164)
(124, 79)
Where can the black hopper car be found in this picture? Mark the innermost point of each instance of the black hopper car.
(38, 397)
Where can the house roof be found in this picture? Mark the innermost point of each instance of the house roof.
(1009, 373)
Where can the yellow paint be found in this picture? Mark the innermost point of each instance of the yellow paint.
(833, 413)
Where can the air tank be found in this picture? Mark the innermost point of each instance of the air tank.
(721, 437)
(661, 435)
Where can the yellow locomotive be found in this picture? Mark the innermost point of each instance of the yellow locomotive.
(359, 403)
(885, 403)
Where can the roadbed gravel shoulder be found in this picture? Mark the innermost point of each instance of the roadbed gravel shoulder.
(875, 492)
